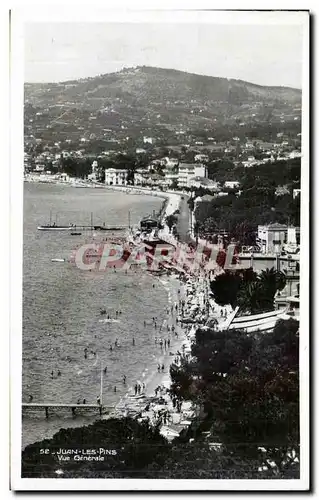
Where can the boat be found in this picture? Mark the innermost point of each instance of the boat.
(57, 260)
(74, 227)
(76, 234)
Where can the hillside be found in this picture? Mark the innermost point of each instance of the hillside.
(157, 101)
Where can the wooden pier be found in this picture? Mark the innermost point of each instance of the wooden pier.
(57, 406)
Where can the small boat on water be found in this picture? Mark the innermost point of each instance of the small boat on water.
(57, 260)
(74, 227)
(75, 234)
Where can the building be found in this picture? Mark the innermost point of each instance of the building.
(171, 176)
(295, 193)
(231, 184)
(264, 322)
(147, 140)
(271, 238)
(201, 158)
(93, 176)
(141, 177)
(115, 177)
(169, 162)
(198, 182)
(187, 171)
(274, 237)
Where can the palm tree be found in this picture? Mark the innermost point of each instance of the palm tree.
(272, 280)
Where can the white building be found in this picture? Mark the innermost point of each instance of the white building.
(141, 177)
(198, 182)
(201, 158)
(231, 184)
(171, 175)
(169, 162)
(147, 140)
(92, 176)
(186, 171)
(272, 238)
(115, 177)
(295, 193)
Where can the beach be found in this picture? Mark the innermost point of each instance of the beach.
(161, 298)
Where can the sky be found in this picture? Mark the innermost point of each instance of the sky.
(262, 54)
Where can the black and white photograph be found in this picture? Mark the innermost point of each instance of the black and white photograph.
(160, 211)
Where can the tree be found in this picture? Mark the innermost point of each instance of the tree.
(258, 296)
(174, 184)
(191, 203)
(248, 386)
(136, 445)
(171, 220)
(225, 288)
(252, 293)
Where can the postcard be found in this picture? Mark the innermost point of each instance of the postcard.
(159, 318)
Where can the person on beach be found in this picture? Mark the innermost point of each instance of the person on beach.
(138, 389)
(143, 387)
(161, 343)
(158, 368)
(98, 400)
(155, 325)
(59, 373)
(105, 369)
(124, 379)
(114, 388)
(30, 398)
(116, 342)
(133, 341)
(144, 323)
(168, 342)
(135, 389)
(84, 401)
(78, 401)
(111, 348)
(162, 368)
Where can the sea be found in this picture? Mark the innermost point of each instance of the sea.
(62, 308)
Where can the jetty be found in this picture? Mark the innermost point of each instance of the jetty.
(74, 408)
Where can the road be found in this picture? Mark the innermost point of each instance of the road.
(182, 225)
